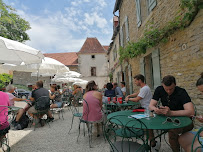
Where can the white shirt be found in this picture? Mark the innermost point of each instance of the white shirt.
(146, 95)
(123, 89)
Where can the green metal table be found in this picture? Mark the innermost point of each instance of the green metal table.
(123, 106)
(155, 123)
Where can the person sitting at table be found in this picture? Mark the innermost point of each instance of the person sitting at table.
(36, 94)
(55, 95)
(186, 139)
(94, 101)
(123, 88)
(109, 92)
(10, 89)
(77, 93)
(4, 124)
(144, 95)
(117, 89)
(175, 102)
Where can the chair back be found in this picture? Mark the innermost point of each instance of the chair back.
(42, 103)
(85, 110)
(123, 135)
(199, 139)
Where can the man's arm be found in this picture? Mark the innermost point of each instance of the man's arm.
(188, 110)
(137, 99)
(133, 95)
(18, 99)
(153, 104)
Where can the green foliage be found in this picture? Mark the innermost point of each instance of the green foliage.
(12, 26)
(154, 36)
(111, 76)
(5, 79)
(19, 86)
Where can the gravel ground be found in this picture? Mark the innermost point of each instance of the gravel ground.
(57, 139)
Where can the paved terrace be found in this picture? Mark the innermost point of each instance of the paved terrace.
(57, 139)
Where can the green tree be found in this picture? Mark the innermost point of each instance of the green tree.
(12, 26)
(5, 79)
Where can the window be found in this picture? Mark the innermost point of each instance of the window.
(115, 53)
(151, 5)
(150, 68)
(124, 33)
(93, 71)
(93, 56)
(138, 12)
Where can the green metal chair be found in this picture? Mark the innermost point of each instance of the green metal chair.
(123, 138)
(75, 109)
(197, 136)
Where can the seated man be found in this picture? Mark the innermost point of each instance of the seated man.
(4, 124)
(117, 89)
(36, 94)
(175, 102)
(10, 90)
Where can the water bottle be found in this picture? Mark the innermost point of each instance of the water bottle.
(146, 112)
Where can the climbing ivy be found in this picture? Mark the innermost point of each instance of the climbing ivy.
(153, 36)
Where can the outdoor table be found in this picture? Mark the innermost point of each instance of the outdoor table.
(151, 122)
(155, 123)
(123, 106)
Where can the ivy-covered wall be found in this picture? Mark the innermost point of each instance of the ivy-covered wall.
(181, 54)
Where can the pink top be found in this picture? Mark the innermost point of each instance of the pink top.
(4, 101)
(94, 113)
(11, 98)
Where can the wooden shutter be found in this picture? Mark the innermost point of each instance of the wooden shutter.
(127, 29)
(156, 68)
(121, 36)
(138, 12)
(151, 4)
(142, 66)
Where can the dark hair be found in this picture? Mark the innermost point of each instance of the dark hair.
(90, 86)
(115, 84)
(39, 84)
(140, 77)
(54, 86)
(123, 83)
(200, 80)
(169, 80)
(109, 86)
(58, 87)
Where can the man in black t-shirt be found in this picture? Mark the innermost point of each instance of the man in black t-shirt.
(37, 93)
(175, 102)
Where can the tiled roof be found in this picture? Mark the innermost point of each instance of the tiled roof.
(68, 59)
(106, 47)
(92, 45)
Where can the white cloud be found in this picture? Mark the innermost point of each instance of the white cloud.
(67, 29)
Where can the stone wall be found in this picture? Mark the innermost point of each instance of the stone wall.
(181, 56)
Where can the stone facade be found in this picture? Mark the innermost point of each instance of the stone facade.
(25, 78)
(181, 56)
(99, 62)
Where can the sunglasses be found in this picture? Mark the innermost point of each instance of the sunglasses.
(176, 122)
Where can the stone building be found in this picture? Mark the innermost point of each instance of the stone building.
(181, 56)
(92, 62)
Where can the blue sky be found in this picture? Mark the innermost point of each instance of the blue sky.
(63, 25)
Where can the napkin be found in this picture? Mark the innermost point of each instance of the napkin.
(138, 110)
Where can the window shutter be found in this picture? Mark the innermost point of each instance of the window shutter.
(121, 36)
(142, 66)
(151, 4)
(156, 68)
(127, 29)
(138, 10)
